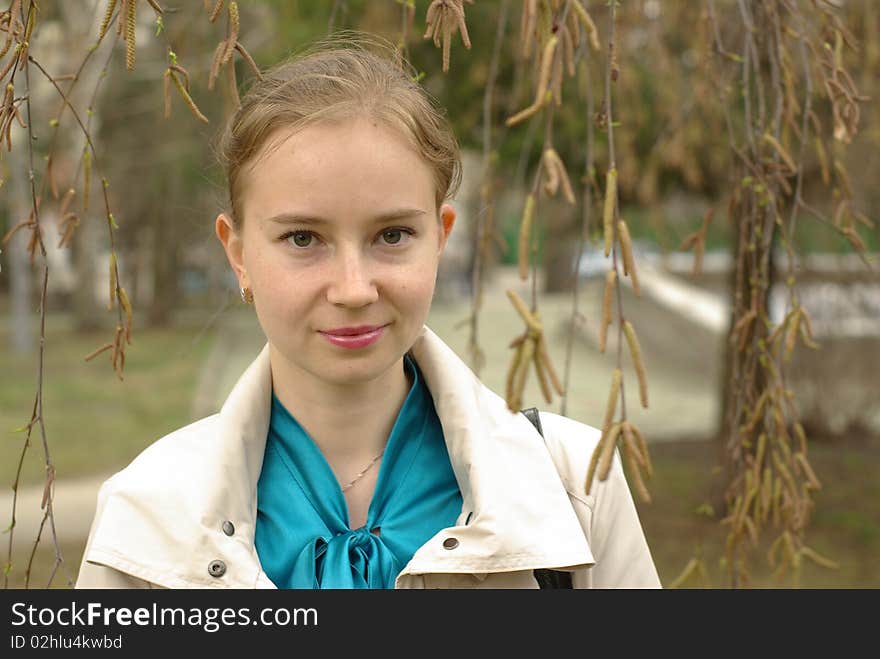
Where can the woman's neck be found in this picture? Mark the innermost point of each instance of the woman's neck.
(347, 422)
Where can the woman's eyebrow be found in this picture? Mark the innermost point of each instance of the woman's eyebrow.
(302, 218)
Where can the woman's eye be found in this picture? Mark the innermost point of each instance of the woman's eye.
(396, 236)
(392, 236)
(300, 238)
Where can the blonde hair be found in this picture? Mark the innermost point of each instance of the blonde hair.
(339, 77)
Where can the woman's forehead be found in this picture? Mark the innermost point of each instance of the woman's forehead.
(331, 166)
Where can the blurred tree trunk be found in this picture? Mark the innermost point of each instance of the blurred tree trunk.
(20, 275)
(89, 236)
(734, 360)
(87, 239)
(165, 251)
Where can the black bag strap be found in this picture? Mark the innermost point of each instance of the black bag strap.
(546, 578)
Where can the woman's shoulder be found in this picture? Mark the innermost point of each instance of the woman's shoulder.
(571, 444)
(568, 434)
(167, 458)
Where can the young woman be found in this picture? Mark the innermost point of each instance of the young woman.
(358, 450)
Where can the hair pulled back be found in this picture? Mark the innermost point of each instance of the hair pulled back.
(338, 78)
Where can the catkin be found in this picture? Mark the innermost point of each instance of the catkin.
(118, 357)
(629, 442)
(66, 200)
(607, 299)
(559, 175)
(823, 161)
(527, 26)
(97, 352)
(801, 435)
(608, 214)
(544, 356)
(568, 50)
(629, 264)
(574, 28)
(801, 460)
(766, 493)
(592, 32)
(608, 445)
(542, 380)
(511, 375)
(772, 141)
(519, 384)
(188, 99)
(112, 280)
(69, 222)
(250, 60)
(643, 448)
(759, 453)
(567, 190)
(232, 35)
(689, 569)
(546, 70)
(791, 334)
(533, 323)
(525, 230)
(216, 11)
(807, 330)
(462, 25)
(130, 22)
(108, 14)
(775, 502)
(50, 174)
(818, 558)
(551, 186)
(631, 460)
(129, 316)
(219, 52)
(556, 79)
(636, 352)
(611, 407)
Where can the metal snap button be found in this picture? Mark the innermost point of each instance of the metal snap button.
(450, 543)
(228, 527)
(217, 568)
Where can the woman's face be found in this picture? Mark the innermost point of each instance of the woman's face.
(340, 230)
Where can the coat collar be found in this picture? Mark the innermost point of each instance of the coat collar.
(516, 513)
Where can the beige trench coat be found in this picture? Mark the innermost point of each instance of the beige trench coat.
(182, 514)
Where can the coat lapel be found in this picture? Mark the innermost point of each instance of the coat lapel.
(520, 514)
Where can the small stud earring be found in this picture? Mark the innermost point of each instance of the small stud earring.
(246, 295)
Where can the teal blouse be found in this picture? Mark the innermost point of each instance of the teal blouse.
(302, 535)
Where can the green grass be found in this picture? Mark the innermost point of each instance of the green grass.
(845, 525)
(43, 564)
(94, 422)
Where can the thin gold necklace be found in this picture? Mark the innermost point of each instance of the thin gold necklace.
(345, 488)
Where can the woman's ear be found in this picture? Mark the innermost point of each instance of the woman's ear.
(233, 246)
(447, 216)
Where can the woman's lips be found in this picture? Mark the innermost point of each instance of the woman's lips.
(355, 340)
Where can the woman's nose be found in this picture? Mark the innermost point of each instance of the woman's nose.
(351, 283)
